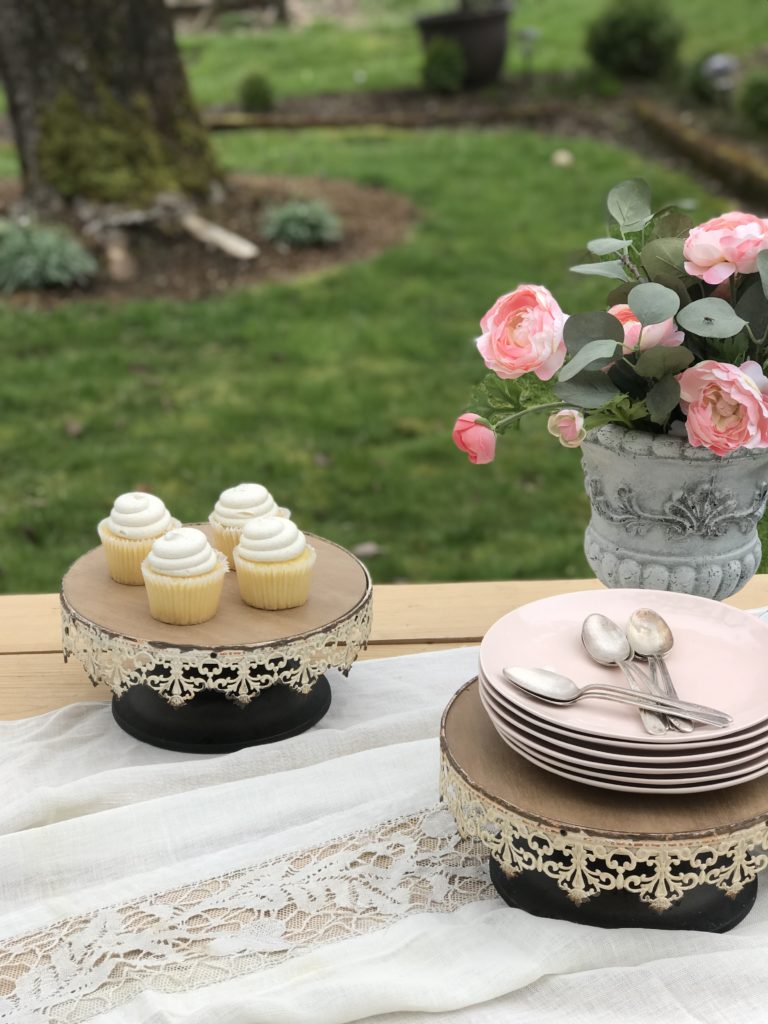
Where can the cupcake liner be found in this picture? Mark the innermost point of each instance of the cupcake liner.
(184, 600)
(226, 538)
(274, 586)
(125, 554)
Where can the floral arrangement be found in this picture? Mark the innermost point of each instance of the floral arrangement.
(681, 349)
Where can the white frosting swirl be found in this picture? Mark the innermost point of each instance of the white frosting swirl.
(182, 552)
(238, 504)
(138, 516)
(271, 540)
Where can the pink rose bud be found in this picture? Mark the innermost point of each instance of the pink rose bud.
(474, 438)
(725, 406)
(665, 333)
(568, 426)
(523, 333)
(724, 246)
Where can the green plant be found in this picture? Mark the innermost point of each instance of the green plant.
(302, 223)
(670, 355)
(754, 102)
(635, 39)
(256, 96)
(36, 256)
(444, 66)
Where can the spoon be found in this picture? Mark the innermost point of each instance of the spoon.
(558, 689)
(607, 644)
(651, 638)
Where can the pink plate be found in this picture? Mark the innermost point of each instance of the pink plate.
(625, 771)
(742, 745)
(624, 787)
(720, 658)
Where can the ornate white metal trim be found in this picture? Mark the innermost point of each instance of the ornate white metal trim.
(658, 871)
(240, 673)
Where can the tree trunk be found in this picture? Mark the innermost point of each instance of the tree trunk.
(99, 101)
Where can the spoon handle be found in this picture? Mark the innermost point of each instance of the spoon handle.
(654, 723)
(696, 712)
(660, 671)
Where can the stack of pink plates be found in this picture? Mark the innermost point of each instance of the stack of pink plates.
(719, 658)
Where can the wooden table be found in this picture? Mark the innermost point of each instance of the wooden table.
(407, 619)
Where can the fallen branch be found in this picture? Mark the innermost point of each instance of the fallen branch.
(220, 238)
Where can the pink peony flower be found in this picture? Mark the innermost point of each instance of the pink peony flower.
(523, 333)
(726, 406)
(477, 440)
(568, 426)
(724, 246)
(665, 333)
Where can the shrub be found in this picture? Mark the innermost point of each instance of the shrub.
(634, 39)
(35, 256)
(302, 223)
(444, 66)
(256, 96)
(754, 102)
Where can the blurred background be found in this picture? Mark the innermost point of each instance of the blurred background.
(251, 240)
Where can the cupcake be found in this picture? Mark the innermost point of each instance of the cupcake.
(274, 564)
(184, 577)
(127, 534)
(234, 508)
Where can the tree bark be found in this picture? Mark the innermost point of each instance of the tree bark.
(99, 101)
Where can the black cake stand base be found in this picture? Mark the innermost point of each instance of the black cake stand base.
(211, 724)
(703, 909)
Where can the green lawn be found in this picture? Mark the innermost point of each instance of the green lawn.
(385, 53)
(338, 392)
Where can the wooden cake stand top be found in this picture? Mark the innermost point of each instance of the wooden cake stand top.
(242, 650)
(592, 840)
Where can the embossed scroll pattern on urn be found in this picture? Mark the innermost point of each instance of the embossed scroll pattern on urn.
(668, 516)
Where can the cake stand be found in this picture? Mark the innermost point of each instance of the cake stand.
(245, 677)
(564, 850)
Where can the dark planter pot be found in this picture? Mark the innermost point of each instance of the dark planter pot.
(481, 36)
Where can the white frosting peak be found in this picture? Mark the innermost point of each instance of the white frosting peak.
(182, 552)
(137, 516)
(246, 501)
(271, 539)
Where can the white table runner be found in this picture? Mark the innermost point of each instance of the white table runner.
(315, 880)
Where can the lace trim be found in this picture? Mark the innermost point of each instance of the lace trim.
(241, 922)
(583, 865)
(178, 673)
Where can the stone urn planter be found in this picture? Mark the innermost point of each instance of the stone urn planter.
(667, 516)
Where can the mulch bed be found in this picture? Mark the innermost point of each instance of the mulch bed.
(175, 266)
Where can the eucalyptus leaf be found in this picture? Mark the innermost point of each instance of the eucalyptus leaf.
(675, 284)
(596, 351)
(663, 256)
(629, 203)
(581, 328)
(608, 268)
(588, 390)
(671, 222)
(662, 399)
(653, 303)
(662, 360)
(627, 379)
(619, 295)
(762, 269)
(753, 306)
(606, 246)
(710, 318)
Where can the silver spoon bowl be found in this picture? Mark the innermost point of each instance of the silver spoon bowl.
(651, 638)
(607, 644)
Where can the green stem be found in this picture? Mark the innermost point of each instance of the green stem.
(524, 412)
